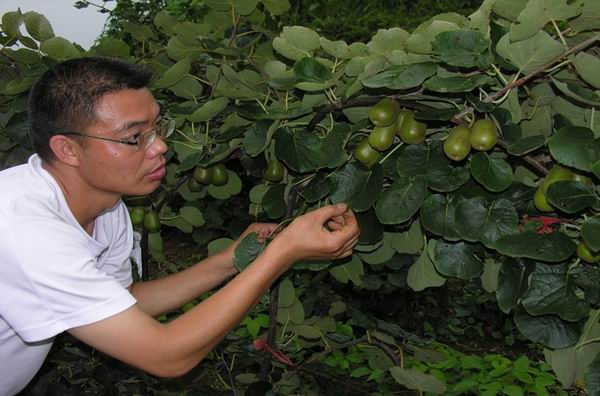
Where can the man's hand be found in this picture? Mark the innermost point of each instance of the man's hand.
(324, 234)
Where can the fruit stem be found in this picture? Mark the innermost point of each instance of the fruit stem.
(391, 152)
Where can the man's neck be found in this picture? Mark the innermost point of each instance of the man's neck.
(85, 202)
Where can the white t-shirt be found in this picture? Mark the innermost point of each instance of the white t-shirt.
(53, 275)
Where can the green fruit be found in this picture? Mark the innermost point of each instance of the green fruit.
(586, 254)
(557, 173)
(540, 202)
(578, 177)
(193, 185)
(457, 146)
(220, 176)
(384, 112)
(151, 221)
(274, 171)
(366, 154)
(483, 135)
(137, 216)
(400, 119)
(381, 138)
(412, 131)
(202, 175)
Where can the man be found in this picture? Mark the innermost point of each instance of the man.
(66, 237)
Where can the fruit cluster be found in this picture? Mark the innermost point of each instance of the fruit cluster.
(149, 220)
(481, 136)
(388, 120)
(216, 175)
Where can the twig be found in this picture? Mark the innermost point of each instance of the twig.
(540, 69)
(535, 164)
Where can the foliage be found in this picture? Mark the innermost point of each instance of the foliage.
(243, 96)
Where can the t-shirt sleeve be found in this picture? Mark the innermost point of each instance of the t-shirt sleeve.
(51, 282)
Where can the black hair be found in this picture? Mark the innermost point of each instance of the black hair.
(64, 97)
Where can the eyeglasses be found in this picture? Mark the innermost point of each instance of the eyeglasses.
(140, 140)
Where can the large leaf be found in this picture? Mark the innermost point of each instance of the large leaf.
(513, 281)
(174, 73)
(273, 202)
(402, 76)
(422, 273)
(246, 251)
(587, 66)
(457, 260)
(209, 110)
(531, 54)
(571, 364)
(352, 270)
(276, 7)
(592, 377)
(438, 215)
(486, 222)
(59, 48)
(430, 161)
(548, 330)
(572, 196)
(590, 231)
(258, 137)
(304, 151)
(311, 70)
(569, 146)
(38, 26)
(456, 83)
(537, 13)
(553, 247)
(495, 174)
(550, 292)
(407, 242)
(519, 145)
(401, 201)
(357, 185)
(465, 48)
(318, 188)
(297, 42)
(416, 380)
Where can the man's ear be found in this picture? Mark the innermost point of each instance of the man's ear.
(65, 150)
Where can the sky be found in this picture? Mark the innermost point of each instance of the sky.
(81, 26)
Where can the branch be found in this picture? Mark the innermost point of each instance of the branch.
(529, 160)
(540, 69)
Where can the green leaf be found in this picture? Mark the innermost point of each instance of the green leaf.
(11, 21)
(438, 215)
(352, 271)
(416, 380)
(258, 136)
(311, 70)
(402, 76)
(550, 293)
(538, 13)
(495, 174)
(276, 7)
(209, 109)
(592, 377)
(422, 273)
(590, 231)
(430, 161)
(337, 49)
(138, 31)
(174, 74)
(371, 230)
(178, 49)
(513, 282)
(554, 247)
(38, 26)
(531, 54)
(572, 196)
(287, 294)
(569, 146)
(165, 22)
(382, 253)
(407, 242)
(246, 251)
(218, 245)
(463, 48)
(401, 201)
(587, 66)
(517, 144)
(479, 220)
(59, 48)
(273, 201)
(192, 215)
(387, 40)
(293, 313)
(296, 42)
(457, 260)
(112, 47)
(304, 151)
(548, 330)
(456, 83)
(233, 187)
(318, 188)
(357, 185)
(577, 92)
(187, 88)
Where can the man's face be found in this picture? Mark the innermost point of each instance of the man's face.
(119, 169)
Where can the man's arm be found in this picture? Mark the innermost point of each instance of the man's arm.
(171, 292)
(172, 349)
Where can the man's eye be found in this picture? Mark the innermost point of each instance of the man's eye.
(135, 138)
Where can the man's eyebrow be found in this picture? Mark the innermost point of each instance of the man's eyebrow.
(134, 124)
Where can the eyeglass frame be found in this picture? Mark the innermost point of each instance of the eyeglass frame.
(164, 130)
